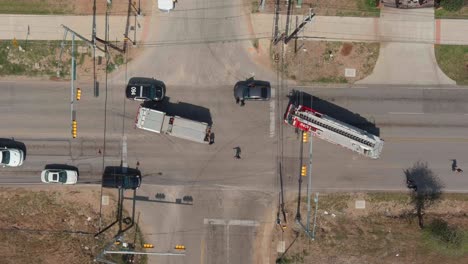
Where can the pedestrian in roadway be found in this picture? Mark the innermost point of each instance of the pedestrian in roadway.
(238, 152)
(454, 164)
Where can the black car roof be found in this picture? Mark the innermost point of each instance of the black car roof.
(116, 176)
(137, 83)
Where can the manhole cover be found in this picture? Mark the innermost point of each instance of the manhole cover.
(348, 72)
(360, 204)
(105, 200)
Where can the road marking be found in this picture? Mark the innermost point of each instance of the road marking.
(202, 250)
(272, 113)
(405, 113)
(124, 151)
(214, 221)
(426, 139)
(226, 227)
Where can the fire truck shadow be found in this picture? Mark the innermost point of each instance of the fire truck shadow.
(335, 111)
(182, 109)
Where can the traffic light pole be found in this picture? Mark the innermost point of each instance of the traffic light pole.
(298, 212)
(309, 185)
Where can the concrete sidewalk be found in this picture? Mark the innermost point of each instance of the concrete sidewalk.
(446, 31)
(46, 27)
(419, 28)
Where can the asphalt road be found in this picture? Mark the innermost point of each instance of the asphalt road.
(198, 51)
(426, 124)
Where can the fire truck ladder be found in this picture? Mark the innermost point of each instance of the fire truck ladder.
(328, 123)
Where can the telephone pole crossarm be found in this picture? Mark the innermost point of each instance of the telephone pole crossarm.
(299, 28)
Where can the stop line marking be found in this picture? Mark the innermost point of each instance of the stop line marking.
(272, 113)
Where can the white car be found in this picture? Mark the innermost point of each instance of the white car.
(166, 5)
(11, 157)
(59, 176)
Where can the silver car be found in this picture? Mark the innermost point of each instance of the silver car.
(59, 176)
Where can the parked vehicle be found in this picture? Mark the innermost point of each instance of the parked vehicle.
(405, 4)
(11, 157)
(166, 5)
(252, 90)
(157, 121)
(145, 89)
(59, 176)
(121, 177)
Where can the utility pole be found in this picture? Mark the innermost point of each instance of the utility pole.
(299, 28)
(288, 16)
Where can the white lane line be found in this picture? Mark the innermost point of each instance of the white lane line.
(124, 151)
(215, 221)
(227, 242)
(405, 113)
(272, 113)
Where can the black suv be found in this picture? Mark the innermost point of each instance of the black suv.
(121, 177)
(145, 89)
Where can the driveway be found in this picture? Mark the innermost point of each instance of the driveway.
(407, 49)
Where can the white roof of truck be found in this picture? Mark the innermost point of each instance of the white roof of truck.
(151, 120)
(188, 129)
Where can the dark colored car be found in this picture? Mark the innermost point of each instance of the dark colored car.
(121, 177)
(252, 90)
(145, 89)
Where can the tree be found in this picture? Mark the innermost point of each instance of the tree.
(451, 5)
(426, 188)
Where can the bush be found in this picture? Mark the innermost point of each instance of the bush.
(451, 5)
(447, 234)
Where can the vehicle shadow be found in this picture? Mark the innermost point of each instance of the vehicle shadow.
(182, 109)
(61, 167)
(334, 111)
(12, 143)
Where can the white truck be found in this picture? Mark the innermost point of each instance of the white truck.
(157, 121)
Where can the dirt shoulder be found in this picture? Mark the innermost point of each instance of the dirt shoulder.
(62, 7)
(359, 8)
(328, 62)
(45, 224)
(385, 231)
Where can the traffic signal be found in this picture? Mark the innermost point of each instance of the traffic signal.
(305, 137)
(74, 128)
(304, 171)
(78, 94)
(181, 247)
(148, 246)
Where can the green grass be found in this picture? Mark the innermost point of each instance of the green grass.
(388, 197)
(368, 8)
(453, 61)
(434, 244)
(255, 6)
(32, 7)
(460, 14)
(332, 80)
(16, 62)
(330, 202)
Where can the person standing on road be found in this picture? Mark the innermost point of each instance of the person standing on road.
(238, 152)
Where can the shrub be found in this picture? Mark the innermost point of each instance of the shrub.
(451, 5)
(441, 230)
